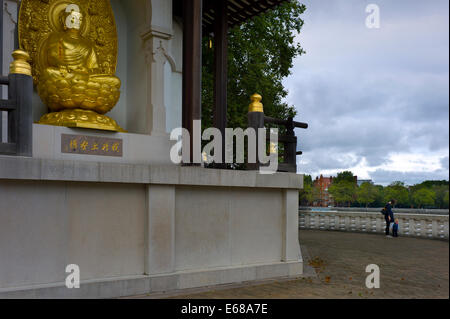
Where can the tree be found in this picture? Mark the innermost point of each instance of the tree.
(367, 193)
(424, 197)
(316, 194)
(440, 188)
(441, 191)
(379, 200)
(260, 56)
(445, 200)
(343, 192)
(399, 193)
(430, 184)
(343, 188)
(345, 176)
(306, 194)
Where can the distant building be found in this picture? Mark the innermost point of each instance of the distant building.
(362, 181)
(324, 198)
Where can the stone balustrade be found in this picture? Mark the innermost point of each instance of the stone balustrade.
(411, 225)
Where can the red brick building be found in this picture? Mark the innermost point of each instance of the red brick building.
(324, 198)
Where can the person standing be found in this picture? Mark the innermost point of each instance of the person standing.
(389, 216)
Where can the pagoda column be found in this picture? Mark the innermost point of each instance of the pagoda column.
(156, 43)
(192, 73)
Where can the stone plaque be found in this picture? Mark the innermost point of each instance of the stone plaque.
(91, 145)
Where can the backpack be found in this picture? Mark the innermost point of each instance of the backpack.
(384, 211)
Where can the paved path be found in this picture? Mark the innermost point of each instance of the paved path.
(410, 268)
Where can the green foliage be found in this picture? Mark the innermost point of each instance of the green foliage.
(439, 188)
(261, 54)
(424, 197)
(310, 193)
(399, 193)
(430, 184)
(379, 200)
(445, 200)
(306, 194)
(343, 191)
(345, 176)
(441, 191)
(367, 193)
(307, 180)
(315, 194)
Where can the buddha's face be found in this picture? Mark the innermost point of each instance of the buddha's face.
(72, 18)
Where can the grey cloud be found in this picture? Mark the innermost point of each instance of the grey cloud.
(369, 93)
(444, 163)
(327, 159)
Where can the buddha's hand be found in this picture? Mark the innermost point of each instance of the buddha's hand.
(82, 69)
(94, 71)
(64, 70)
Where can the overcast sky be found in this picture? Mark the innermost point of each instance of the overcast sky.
(377, 100)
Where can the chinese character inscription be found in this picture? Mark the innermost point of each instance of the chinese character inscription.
(91, 145)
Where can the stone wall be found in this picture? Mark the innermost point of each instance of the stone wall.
(135, 229)
(414, 225)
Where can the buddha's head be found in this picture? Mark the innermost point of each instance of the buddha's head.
(72, 18)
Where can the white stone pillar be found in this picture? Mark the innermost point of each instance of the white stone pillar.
(160, 230)
(291, 246)
(9, 22)
(7, 46)
(156, 43)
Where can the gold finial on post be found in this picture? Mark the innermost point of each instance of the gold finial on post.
(20, 64)
(256, 105)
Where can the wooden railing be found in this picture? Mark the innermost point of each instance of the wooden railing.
(257, 120)
(289, 142)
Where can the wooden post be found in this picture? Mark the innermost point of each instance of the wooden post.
(18, 107)
(20, 121)
(1, 45)
(1, 66)
(192, 69)
(221, 70)
(290, 148)
(256, 119)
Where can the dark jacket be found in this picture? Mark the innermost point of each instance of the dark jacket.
(389, 213)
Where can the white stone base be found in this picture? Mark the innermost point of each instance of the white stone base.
(142, 285)
(136, 229)
(137, 148)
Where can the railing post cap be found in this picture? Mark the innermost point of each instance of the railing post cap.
(256, 105)
(20, 64)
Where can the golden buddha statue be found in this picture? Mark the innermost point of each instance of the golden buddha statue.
(76, 87)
